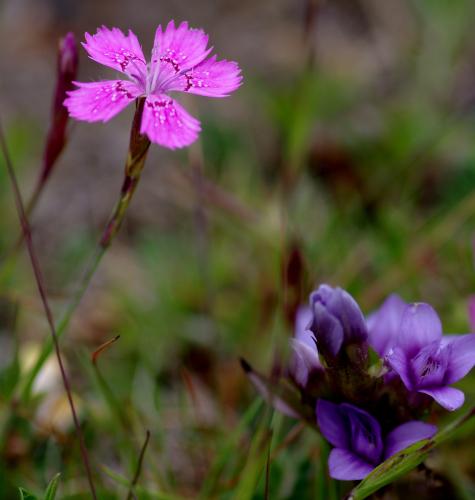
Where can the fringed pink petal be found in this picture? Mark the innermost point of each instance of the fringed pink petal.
(113, 48)
(100, 101)
(167, 123)
(211, 78)
(176, 50)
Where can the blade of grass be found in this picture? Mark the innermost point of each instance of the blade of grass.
(230, 444)
(52, 487)
(139, 466)
(249, 476)
(267, 479)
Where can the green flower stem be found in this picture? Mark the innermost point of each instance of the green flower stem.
(138, 148)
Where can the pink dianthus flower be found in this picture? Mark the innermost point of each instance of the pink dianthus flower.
(179, 62)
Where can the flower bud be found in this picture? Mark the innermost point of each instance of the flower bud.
(67, 64)
(337, 323)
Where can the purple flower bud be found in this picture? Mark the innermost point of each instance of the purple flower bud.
(359, 444)
(67, 65)
(426, 361)
(337, 320)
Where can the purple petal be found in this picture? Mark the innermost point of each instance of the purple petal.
(211, 78)
(461, 357)
(332, 424)
(397, 360)
(365, 434)
(429, 365)
(448, 397)
(303, 320)
(304, 361)
(100, 101)
(346, 466)
(449, 338)
(167, 123)
(327, 330)
(420, 326)
(116, 50)
(383, 325)
(175, 51)
(405, 435)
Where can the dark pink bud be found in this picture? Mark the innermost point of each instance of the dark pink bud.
(67, 65)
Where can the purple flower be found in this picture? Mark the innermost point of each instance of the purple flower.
(383, 325)
(426, 361)
(179, 62)
(305, 361)
(337, 320)
(359, 445)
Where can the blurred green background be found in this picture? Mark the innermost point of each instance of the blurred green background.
(347, 157)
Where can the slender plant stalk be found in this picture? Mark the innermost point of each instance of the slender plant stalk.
(138, 470)
(62, 324)
(267, 474)
(44, 299)
(138, 148)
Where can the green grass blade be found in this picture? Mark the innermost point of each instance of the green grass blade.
(26, 495)
(52, 488)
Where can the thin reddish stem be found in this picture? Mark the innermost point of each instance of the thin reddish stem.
(139, 466)
(44, 299)
(95, 355)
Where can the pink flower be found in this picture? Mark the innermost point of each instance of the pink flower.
(179, 62)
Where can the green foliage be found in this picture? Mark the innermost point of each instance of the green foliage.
(26, 495)
(52, 488)
(49, 494)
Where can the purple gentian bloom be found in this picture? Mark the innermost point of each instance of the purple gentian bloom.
(383, 325)
(179, 63)
(426, 361)
(337, 320)
(305, 361)
(359, 445)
